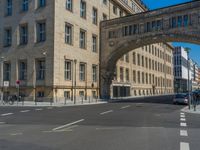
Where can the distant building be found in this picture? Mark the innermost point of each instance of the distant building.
(181, 71)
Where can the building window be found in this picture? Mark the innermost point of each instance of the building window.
(127, 57)
(69, 5)
(8, 7)
(147, 81)
(104, 17)
(138, 75)
(134, 76)
(40, 94)
(127, 74)
(105, 2)
(142, 61)
(94, 16)
(82, 71)
(83, 9)
(67, 94)
(134, 59)
(82, 39)
(7, 70)
(94, 43)
(40, 69)
(41, 3)
(138, 59)
(114, 9)
(23, 34)
(121, 74)
(121, 13)
(94, 73)
(142, 77)
(22, 70)
(8, 37)
(68, 33)
(41, 31)
(68, 69)
(25, 5)
(81, 93)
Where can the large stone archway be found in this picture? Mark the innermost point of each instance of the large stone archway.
(179, 23)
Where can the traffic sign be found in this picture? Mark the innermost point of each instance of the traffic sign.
(6, 83)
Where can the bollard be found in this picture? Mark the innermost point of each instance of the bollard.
(82, 100)
(65, 100)
(35, 102)
(89, 99)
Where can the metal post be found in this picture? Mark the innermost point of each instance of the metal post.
(2, 78)
(188, 67)
(75, 61)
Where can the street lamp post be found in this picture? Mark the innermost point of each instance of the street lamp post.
(75, 61)
(2, 58)
(188, 67)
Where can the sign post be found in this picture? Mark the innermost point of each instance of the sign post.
(17, 86)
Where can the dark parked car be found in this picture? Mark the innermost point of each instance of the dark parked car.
(181, 98)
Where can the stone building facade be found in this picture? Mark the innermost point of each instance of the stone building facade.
(52, 48)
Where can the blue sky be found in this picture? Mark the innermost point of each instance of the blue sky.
(153, 4)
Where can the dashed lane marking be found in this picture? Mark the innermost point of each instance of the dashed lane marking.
(183, 133)
(38, 109)
(106, 112)
(124, 107)
(2, 123)
(183, 124)
(184, 146)
(182, 119)
(7, 114)
(24, 111)
(68, 125)
(15, 134)
(182, 116)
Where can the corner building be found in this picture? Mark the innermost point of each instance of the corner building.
(52, 47)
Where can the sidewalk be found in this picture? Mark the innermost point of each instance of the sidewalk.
(186, 109)
(54, 104)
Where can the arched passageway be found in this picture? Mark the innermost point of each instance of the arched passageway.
(179, 23)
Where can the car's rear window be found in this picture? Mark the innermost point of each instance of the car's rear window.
(181, 95)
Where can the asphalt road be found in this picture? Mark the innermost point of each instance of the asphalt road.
(139, 124)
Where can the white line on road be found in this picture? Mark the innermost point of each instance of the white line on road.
(24, 111)
(106, 112)
(7, 114)
(2, 123)
(38, 109)
(183, 133)
(67, 125)
(182, 113)
(183, 124)
(14, 134)
(182, 119)
(184, 146)
(124, 107)
(182, 116)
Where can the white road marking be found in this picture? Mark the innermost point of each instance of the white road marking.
(184, 146)
(24, 111)
(106, 112)
(2, 123)
(49, 107)
(7, 114)
(182, 113)
(182, 116)
(14, 134)
(183, 124)
(182, 119)
(38, 109)
(124, 107)
(67, 125)
(183, 133)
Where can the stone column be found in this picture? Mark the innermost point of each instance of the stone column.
(105, 82)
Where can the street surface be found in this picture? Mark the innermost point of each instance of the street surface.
(139, 124)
